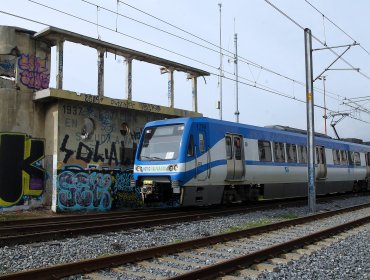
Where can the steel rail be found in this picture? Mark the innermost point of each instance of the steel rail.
(229, 266)
(86, 266)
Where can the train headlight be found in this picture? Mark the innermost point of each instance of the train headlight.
(138, 168)
(175, 167)
(170, 167)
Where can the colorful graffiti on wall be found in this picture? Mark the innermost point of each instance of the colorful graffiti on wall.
(33, 71)
(21, 173)
(93, 189)
(7, 63)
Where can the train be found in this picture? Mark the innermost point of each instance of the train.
(202, 161)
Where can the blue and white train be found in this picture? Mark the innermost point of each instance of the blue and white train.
(202, 161)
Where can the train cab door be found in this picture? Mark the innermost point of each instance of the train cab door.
(321, 169)
(202, 154)
(234, 157)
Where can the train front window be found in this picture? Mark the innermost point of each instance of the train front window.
(161, 142)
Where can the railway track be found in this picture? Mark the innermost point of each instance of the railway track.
(210, 257)
(45, 229)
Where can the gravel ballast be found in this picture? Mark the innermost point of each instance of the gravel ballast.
(347, 259)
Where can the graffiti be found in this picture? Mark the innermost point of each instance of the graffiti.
(96, 99)
(105, 118)
(88, 154)
(150, 107)
(72, 110)
(123, 103)
(21, 174)
(80, 189)
(7, 65)
(33, 71)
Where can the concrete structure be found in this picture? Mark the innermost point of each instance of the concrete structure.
(61, 149)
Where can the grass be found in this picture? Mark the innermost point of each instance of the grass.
(289, 216)
(254, 224)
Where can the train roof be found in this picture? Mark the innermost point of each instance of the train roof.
(285, 130)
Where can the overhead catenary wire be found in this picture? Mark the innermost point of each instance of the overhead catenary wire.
(317, 39)
(254, 84)
(332, 22)
(231, 56)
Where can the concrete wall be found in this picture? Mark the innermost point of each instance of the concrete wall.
(61, 149)
(24, 68)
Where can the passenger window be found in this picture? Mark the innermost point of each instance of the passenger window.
(343, 157)
(201, 143)
(229, 154)
(190, 152)
(279, 153)
(291, 151)
(237, 148)
(302, 154)
(355, 157)
(336, 157)
(264, 150)
(320, 155)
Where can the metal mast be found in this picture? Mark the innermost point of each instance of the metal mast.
(221, 74)
(236, 78)
(310, 122)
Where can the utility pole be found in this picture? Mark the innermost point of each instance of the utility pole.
(310, 122)
(221, 74)
(236, 78)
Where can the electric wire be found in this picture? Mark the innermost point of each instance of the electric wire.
(244, 60)
(324, 16)
(254, 84)
(317, 39)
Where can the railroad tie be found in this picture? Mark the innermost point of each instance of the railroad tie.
(137, 273)
(180, 262)
(264, 267)
(99, 276)
(163, 266)
(199, 257)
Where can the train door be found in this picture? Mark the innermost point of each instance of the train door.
(202, 153)
(367, 156)
(234, 156)
(321, 169)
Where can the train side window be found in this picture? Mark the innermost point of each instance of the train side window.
(279, 153)
(320, 155)
(229, 154)
(302, 154)
(264, 150)
(201, 143)
(336, 157)
(355, 158)
(291, 151)
(343, 157)
(190, 151)
(237, 148)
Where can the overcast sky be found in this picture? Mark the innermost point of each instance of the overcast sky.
(265, 37)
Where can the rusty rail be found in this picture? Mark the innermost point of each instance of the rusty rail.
(56, 272)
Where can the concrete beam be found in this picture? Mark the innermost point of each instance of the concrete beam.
(194, 91)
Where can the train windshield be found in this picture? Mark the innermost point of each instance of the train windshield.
(161, 142)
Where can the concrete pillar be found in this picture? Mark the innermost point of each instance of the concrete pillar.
(194, 91)
(128, 62)
(170, 88)
(101, 72)
(59, 62)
